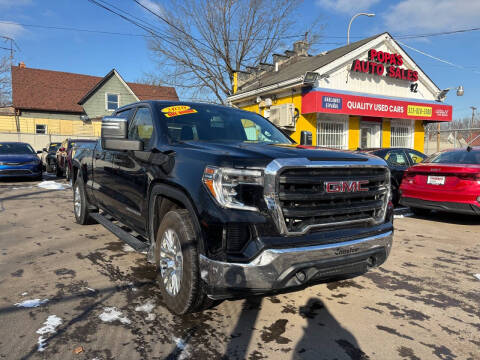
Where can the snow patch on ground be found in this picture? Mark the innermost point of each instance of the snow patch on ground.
(111, 314)
(49, 327)
(31, 303)
(147, 308)
(25, 294)
(52, 185)
(402, 215)
(90, 289)
(128, 248)
(477, 276)
(182, 348)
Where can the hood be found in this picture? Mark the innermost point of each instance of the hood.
(261, 153)
(18, 158)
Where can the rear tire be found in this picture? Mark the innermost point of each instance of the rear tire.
(58, 171)
(420, 211)
(176, 257)
(80, 203)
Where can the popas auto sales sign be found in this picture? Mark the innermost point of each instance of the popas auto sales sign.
(380, 63)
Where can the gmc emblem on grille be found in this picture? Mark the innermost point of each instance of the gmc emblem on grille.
(345, 186)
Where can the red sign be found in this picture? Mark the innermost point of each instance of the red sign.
(377, 60)
(335, 103)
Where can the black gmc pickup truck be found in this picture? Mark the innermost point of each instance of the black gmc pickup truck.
(226, 205)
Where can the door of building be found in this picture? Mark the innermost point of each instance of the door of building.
(369, 135)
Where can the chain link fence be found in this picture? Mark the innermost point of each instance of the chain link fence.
(436, 140)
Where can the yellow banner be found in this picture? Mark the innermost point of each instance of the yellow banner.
(424, 111)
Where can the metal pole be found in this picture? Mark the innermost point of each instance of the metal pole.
(350, 23)
(438, 136)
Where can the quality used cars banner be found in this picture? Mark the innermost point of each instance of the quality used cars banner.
(316, 101)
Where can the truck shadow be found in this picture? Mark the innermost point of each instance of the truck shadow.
(450, 218)
(324, 337)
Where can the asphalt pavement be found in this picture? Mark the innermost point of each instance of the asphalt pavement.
(77, 292)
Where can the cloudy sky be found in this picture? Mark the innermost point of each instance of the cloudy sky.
(96, 54)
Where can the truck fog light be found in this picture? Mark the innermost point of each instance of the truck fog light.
(301, 276)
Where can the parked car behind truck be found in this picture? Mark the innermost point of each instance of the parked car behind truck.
(446, 181)
(398, 160)
(18, 159)
(49, 157)
(226, 205)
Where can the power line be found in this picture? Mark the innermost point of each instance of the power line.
(438, 59)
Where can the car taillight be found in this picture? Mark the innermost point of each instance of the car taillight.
(409, 176)
(469, 176)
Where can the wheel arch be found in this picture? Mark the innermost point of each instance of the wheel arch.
(176, 198)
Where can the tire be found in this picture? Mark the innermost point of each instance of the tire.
(189, 295)
(420, 211)
(48, 167)
(81, 209)
(68, 176)
(58, 171)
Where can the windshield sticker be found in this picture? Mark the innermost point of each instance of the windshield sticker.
(177, 110)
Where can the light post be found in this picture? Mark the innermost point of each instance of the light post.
(351, 20)
(441, 97)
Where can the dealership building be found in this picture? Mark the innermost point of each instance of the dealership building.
(367, 94)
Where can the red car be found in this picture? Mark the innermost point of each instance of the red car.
(447, 181)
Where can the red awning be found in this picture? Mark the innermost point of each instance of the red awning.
(319, 101)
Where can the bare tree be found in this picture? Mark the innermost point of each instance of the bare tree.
(5, 84)
(203, 42)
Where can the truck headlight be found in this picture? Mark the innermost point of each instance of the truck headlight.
(234, 188)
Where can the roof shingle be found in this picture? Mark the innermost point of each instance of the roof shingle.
(301, 66)
(47, 90)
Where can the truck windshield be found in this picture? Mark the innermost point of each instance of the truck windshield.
(201, 122)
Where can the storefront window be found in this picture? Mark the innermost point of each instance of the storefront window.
(401, 133)
(332, 131)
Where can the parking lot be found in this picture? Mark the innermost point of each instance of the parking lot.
(71, 291)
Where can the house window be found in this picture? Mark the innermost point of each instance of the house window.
(401, 134)
(40, 129)
(112, 101)
(332, 131)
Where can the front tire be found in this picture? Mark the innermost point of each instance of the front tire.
(176, 257)
(80, 203)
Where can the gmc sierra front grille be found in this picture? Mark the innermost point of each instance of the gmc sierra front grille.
(313, 198)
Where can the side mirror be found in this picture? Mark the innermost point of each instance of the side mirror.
(305, 138)
(114, 135)
(122, 144)
(114, 127)
(39, 151)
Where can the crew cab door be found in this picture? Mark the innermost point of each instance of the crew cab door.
(105, 187)
(131, 170)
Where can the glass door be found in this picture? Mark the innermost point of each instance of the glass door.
(369, 135)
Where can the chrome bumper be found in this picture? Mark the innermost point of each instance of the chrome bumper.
(277, 269)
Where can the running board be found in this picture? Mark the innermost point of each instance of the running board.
(138, 245)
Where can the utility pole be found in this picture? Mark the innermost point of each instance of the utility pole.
(473, 115)
(9, 39)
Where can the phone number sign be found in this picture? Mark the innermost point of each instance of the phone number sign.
(319, 101)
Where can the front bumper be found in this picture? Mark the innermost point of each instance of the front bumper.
(448, 206)
(275, 270)
(21, 171)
